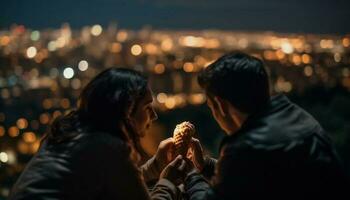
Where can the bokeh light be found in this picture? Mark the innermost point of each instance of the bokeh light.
(68, 73)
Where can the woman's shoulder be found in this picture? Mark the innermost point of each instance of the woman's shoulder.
(88, 142)
(104, 142)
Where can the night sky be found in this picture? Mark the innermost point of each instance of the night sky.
(296, 16)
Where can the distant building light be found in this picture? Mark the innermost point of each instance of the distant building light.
(52, 46)
(170, 103)
(337, 57)
(68, 73)
(136, 50)
(287, 48)
(161, 97)
(29, 137)
(22, 123)
(122, 36)
(96, 30)
(3, 157)
(188, 67)
(308, 71)
(83, 65)
(159, 68)
(31, 52)
(35, 35)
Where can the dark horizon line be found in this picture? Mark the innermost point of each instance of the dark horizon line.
(160, 28)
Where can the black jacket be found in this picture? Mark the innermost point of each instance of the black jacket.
(280, 152)
(90, 166)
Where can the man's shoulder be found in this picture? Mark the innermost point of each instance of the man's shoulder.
(316, 148)
(280, 124)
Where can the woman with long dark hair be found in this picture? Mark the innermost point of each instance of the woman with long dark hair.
(93, 152)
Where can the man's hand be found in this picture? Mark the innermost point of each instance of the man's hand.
(175, 171)
(195, 154)
(165, 153)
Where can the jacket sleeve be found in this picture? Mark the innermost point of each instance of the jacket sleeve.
(236, 176)
(124, 180)
(164, 189)
(209, 167)
(196, 186)
(150, 170)
(239, 173)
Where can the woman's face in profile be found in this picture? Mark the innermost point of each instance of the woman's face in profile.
(144, 114)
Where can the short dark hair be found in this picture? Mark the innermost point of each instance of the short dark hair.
(239, 78)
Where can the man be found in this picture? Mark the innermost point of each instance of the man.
(273, 148)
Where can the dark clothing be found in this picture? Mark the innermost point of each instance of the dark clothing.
(90, 166)
(280, 152)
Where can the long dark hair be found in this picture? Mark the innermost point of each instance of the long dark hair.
(104, 105)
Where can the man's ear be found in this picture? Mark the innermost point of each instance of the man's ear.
(222, 105)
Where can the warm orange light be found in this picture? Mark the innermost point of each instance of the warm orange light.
(56, 114)
(151, 49)
(326, 44)
(170, 103)
(192, 41)
(188, 67)
(122, 36)
(306, 58)
(47, 103)
(212, 43)
(34, 147)
(199, 60)
(269, 55)
(346, 82)
(29, 137)
(346, 42)
(5, 40)
(23, 147)
(180, 100)
(13, 131)
(44, 118)
(22, 123)
(167, 44)
(65, 103)
(2, 131)
(116, 47)
(337, 57)
(159, 68)
(136, 50)
(282, 85)
(161, 97)
(197, 99)
(308, 71)
(296, 59)
(280, 55)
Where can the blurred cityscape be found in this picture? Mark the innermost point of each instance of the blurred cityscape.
(43, 71)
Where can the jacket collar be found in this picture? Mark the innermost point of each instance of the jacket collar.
(275, 104)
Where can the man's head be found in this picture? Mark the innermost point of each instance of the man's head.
(236, 85)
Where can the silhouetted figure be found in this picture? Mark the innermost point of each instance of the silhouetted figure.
(273, 148)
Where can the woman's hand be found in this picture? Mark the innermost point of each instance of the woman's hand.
(165, 153)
